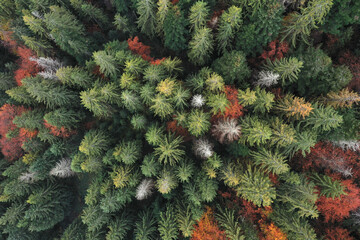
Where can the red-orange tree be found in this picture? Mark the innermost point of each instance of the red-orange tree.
(207, 228)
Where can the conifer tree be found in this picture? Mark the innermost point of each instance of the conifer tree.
(228, 221)
(95, 142)
(166, 181)
(163, 8)
(294, 107)
(201, 46)
(67, 31)
(161, 106)
(198, 122)
(167, 224)
(287, 68)
(300, 25)
(218, 103)
(230, 22)
(282, 134)
(50, 93)
(198, 16)
(255, 131)
(89, 11)
(147, 16)
(175, 31)
(329, 187)
(271, 161)
(75, 77)
(106, 62)
(256, 187)
(324, 118)
(128, 152)
(344, 98)
(184, 219)
(145, 226)
(170, 150)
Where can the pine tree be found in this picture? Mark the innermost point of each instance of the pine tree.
(282, 134)
(166, 181)
(175, 31)
(121, 176)
(94, 218)
(63, 117)
(294, 107)
(66, 31)
(300, 25)
(287, 68)
(75, 77)
(166, 87)
(256, 187)
(228, 221)
(131, 101)
(163, 8)
(40, 46)
(218, 103)
(36, 25)
(271, 161)
(50, 93)
(231, 174)
(184, 219)
(329, 187)
(180, 97)
(119, 227)
(89, 11)
(145, 226)
(106, 62)
(247, 97)
(199, 13)
(147, 16)
(324, 118)
(299, 198)
(170, 151)
(161, 106)
(255, 131)
(167, 224)
(214, 82)
(150, 166)
(304, 141)
(128, 152)
(230, 22)
(31, 120)
(95, 142)
(92, 100)
(264, 100)
(201, 46)
(344, 98)
(198, 122)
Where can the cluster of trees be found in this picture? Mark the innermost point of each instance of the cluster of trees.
(159, 119)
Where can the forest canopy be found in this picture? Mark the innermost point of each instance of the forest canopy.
(182, 119)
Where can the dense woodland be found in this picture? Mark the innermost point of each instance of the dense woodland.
(183, 119)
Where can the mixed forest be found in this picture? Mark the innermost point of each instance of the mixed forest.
(182, 119)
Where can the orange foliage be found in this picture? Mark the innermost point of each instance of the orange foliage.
(336, 233)
(275, 50)
(338, 209)
(173, 127)
(272, 232)
(207, 228)
(27, 67)
(11, 148)
(59, 132)
(234, 110)
(143, 50)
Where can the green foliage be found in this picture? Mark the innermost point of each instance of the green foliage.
(50, 93)
(299, 197)
(214, 82)
(167, 224)
(300, 25)
(230, 22)
(198, 16)
(147, 16)
(218, 103)
(324, 118)
(185, 219)
(273, 162)
(95, 143)
(201, 46)
(106, 62)
(256, 187)
(233, 67)
(119, 227)
(150, 166)
(63, 117)
(305, 140)
(287, 68)
(145, 226)
(75, 77)
(67, 31)
(175, 31)
(31, 120)
(170, 151)
(198, 122)
(166, 182)
(89, 11)
(128, 152)
(255, 131)
(161, 106)
(7, 81)
(185, 170)
(329, 187)
(228, 221)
